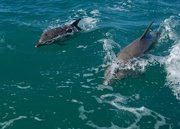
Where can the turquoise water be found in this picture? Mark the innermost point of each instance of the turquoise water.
(62, 86)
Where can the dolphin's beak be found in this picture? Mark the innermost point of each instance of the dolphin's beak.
(38, 44)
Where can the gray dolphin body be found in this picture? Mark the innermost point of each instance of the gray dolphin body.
(59, 33)
(133, 50)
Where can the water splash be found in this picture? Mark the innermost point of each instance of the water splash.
(89, 18)
(170, 32)
(108, 45)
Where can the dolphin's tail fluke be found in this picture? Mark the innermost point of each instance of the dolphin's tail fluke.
(76, 24)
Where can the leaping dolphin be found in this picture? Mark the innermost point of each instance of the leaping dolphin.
(59, 33)
(133, 50)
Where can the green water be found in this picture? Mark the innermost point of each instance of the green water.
(61, 86)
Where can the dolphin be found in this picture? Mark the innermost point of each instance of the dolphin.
(59, 33)
(118, 69)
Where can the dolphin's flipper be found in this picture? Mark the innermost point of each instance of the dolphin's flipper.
(76, 24)
(145, 32)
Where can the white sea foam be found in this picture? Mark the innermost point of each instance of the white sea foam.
(89, 19)
(10, 122)
(88, 74)
(37, 118)
(124, 6)
(172, 67)
(95, 12)
(108, 46)
(82, 112)
(88, 23)
(22, 85)
(170, 32)
(82, 116)
(82, 46)
(120, 102)
(76, 101)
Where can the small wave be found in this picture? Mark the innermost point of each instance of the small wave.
(124, 6)
(168, 31)
(172, 67)
(172, 61)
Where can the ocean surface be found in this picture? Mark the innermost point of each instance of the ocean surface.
(62, 86)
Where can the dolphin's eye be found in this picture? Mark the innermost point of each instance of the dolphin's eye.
(69, 30)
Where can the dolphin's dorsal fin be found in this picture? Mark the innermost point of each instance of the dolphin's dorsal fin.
(76, 24)
(145, 32)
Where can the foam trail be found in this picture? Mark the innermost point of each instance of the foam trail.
(170, 32)
(10, 122)
(172, 66)
(119, 102)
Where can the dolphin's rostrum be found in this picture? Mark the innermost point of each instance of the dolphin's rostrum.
(59, 33)
(117, 70)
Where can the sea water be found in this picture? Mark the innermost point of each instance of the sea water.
(62, 86)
